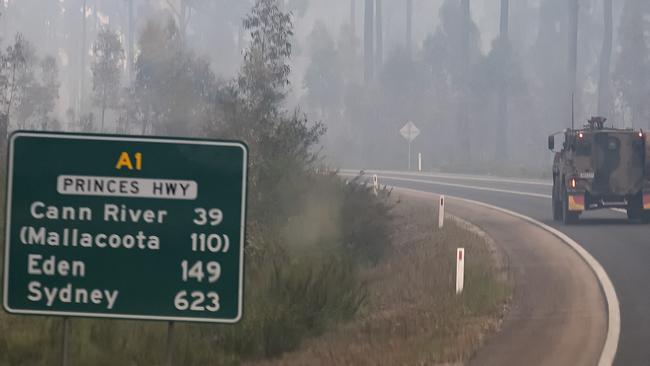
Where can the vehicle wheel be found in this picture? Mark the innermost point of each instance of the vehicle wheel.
(635, 208)
(633, 213)
(568, 217)
(556, 204)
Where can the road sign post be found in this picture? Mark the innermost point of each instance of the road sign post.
(170, 344)
(409, 156)
(65, 345)
(409, 132)
(125, 227)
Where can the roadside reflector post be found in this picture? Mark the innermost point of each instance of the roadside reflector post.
(441, 212)
(375, 184)
(460, 270)
(419, 162)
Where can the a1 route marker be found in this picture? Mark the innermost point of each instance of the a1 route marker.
(125, 227)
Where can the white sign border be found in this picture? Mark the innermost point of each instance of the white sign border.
(10, 155)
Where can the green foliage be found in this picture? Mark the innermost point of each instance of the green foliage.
(171, 89)
(107, 70)
(303, 252)
(291, 300)
(40, 91)
(14, 63)
(265, 71)
(323, 79)
(366, 220)
(631, 79)
(29, 88)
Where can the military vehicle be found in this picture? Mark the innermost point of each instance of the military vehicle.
(600, 167)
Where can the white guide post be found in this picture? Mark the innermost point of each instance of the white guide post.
(460, 269)
(441, 212)
(375, 184)
(419, 162)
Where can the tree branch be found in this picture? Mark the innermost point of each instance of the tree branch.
(173, 8)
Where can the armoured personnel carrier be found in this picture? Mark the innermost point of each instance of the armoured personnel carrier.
(600, 167)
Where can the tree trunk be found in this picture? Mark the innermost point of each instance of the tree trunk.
(464, 38)
(240, 40)
(181, 18)
(504, 20)
(353, 17)
(95, 29)
(380, 35)
(368, 41)
(186, 12)
(131, 57)
(463, 113)
(84, 50)
(605, 59)
(502, 108)
(103, 113)
(409, 27)
(573, 57)
(4, 122)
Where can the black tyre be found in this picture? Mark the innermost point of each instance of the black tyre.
(556, 204)
(633, 214)
(635, 208)
(568, 217)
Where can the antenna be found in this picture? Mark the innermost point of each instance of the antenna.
(572, 112)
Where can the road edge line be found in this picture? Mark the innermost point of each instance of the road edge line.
(610, 346)
(475, 177)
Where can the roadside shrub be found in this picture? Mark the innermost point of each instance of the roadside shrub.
(307, 278)
(366, 220)
(296, 300)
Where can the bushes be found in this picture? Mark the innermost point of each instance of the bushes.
(294, 301)
(366, 220)
(304, 275)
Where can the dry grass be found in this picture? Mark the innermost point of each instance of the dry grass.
(413, 316)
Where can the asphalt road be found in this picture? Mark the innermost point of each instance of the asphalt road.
(621, 247)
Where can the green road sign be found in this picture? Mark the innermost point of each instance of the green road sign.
(125, 227)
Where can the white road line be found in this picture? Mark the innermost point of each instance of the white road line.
(438, 183)
(613, 310)
(455, 176)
